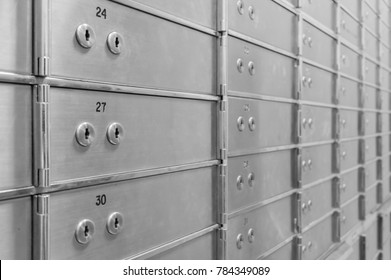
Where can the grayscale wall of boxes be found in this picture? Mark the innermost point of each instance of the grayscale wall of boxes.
(198, 129)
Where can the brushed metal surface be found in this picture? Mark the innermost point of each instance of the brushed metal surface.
(370, 18)
(16, 139)
(316, 124)
(265, 133)
(385, 82)
(323, 11)
(156, 210)
(272, 23)
(349, 93)
(387, 250)
(201, 248)
(352, 6)
(317, 202)
(350, 28)
(199, 11)
(16, 229)
(369, 97)
(158, 132)
(385, 55)
(371, 200)
(370, 148)
(160, 54)
(371, 242)
(385, 33)
(370, 119)
(349, 185)
(267, 168)
(350, 62)
(371, 44)
(318, 46)
(286, 252)
(370, 174)
(386, 127)
(349, 216)
(316, 163)
(349, 154)
(272, 225)
(317, 85)
(318, 239)
(371, 72)
(274, 73)
(349, 123)
(16, 32)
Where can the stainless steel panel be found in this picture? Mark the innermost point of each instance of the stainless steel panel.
(316, 201)
(16, 229)
(272, 224)
(317, 45)
(384, 33)
(316, 124)
(274, 73)
(316, 163)
(16, 31)
(385, 122)
(370, 120)
(323, 11)
(385, 55)
(386, 226)
(349, 216)
(371, 242)
(384, 100)
(384, 10)
(266, 170)
(286, 252)
(352, 6)
(182, 204)
(16, 140)
(149, 124)
(267, 116)
(317, 85)
(201, 248)
(350, 28)
(355, 253)
(265, 21)
(371, 200)
(371, 45)
(202, 12)
(370, 97)
(349, 154)
(318, 239)
(370, 18)
(387, 250)
(350, 62)
(349, 123)
(370, 148)
(349, 93)
(170, 57)
(385, 81)
(371, 72)
(370, 174)
(349, 185)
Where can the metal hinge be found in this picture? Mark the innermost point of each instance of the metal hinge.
(363, 247)
(336, 192)
(379, 122)
(298, 124)
(297, 213)
(380, 225)
(223, 90)
(43, 64)
(379, 100)
(41, 227)
(379, 146)
(336, 226)
(336, 157)
(361, 177)
(361, 154)
(337, 124)
(223, 105)
(298, 247)
(298, 169)
(41, 136)
(379, 192)
(362, 97)
(361, 207)
(362, 123)
(379, 168)
(223, 218)
(223, 170)
(223, 154)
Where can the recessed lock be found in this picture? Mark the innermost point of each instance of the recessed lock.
(85, 134)
(85, 36)
(115, 223)
(240, 123)
(239, 65)
(240, 6)
(239, 241)
(251, 68)
(239, 182)
(251, 12)
(115, 42)
(251, 179)
(115, 133)
(251, 123)
(251, 235)
(85, 231)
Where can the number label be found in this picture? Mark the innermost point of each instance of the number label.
(100, 200)
(101, 13)
(100, 107)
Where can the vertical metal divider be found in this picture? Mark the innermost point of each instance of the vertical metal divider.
(41, 129)
(297, 222)
(222, 49)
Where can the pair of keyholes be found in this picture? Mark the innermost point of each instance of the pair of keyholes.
(85, 134)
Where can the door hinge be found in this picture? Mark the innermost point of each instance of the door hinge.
(337, 192)
(298, 124)
(362, 123)
(363, 247)
(297, 200)
(379, 146)
(41, 227)
(336, 226)
(361, 154)
(298, 169)
(379, 122)
(361, 207)
(43, 64)
(336, 157)
(380, 225)
(379, 169)
(298, 247)
(379, 191)
(337, 124)
(361, 183)
(223, 154)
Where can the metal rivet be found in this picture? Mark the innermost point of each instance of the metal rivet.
(115, 42)
(240, 123)
(239, 64)
(115, 223)
(85, 134)
(85, 36)
(240, 6)
(115, 133)
(251, 123)
(251, 235)
(85, 231)
(239, 182)
(251, 179)
(239, 241)
(251, 68)
(251, 12)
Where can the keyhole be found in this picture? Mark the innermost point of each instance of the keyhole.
(116, 42)
(87, 133)
(116, 133)
(87, 35)
(86, 231)
(116, 223)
